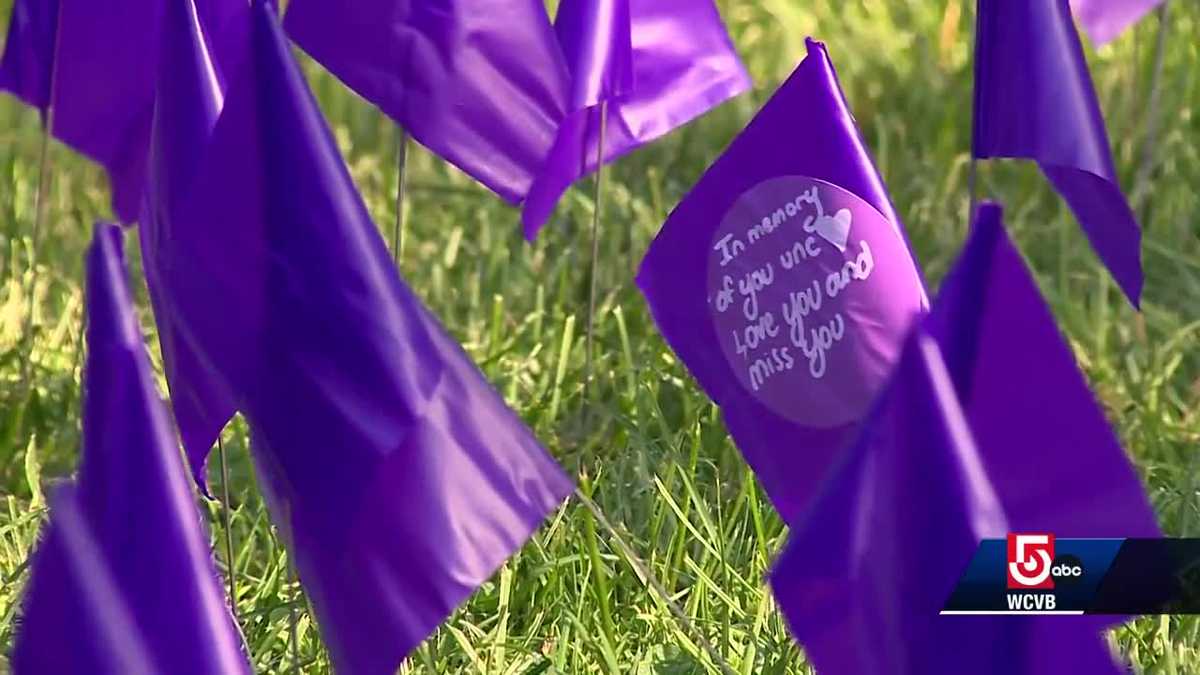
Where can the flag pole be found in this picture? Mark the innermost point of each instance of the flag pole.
(227, 525)
(972, 178)
(293, 575)
(227, 518)
(654, 584)
(973, 167)
(39, 215)
(294, 618)
(1152, 113)
(596, 214)
(401, 185)
(40, 198)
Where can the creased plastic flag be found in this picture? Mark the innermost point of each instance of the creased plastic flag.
(102, 68)
(97, 627)
(509, 99)
(398, 477)
(785, 283)
(29, 51)
(1042, 458)
(1034, 100)
(188, 100)
(881, 549)
(481, 83)
(1104, 20)
(658, 64)
(597, 41)
(1050, 452)
(136, 497)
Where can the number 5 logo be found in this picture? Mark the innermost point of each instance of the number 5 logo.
(1030, 557)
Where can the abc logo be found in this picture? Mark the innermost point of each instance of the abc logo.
(1067, 570)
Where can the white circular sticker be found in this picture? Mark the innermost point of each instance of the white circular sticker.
(812, 291)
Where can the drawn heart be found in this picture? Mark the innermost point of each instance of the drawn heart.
(835, 230)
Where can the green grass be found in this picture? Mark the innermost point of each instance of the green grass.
(655, 456)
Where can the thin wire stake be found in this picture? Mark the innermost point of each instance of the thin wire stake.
(294, 619)
(655, 585)
(39, 204)
(227, 518)
(596, 214)
(1152, 111)
(973, 168)
(972, 181)
(401, 188)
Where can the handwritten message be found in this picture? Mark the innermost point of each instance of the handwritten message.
(811, 290)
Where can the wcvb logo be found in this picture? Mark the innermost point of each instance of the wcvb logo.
(1030, 559)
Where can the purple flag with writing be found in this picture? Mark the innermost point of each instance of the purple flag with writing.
(1034, 100)
(189, 97)
(785, 283)
(875, 558)
(1104, 20)
(657, 63)
(103, 73)
(29, 51)
(399, 478)
(97, 634)
(136, 497)
(481, 83)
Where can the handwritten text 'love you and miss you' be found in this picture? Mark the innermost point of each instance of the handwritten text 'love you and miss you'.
(799, 295)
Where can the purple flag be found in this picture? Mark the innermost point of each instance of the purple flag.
(1049, 451)
(487, 87)
(103, 78)
(672, 62)
(482, 83)
(25, 69)
(1034, 100)
(136, 497)
(808, 288)
(1104, 20)
(399, 478)
(881, 549)
(189, 97)
(597, 41)
(96, 633)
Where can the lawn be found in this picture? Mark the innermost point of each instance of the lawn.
(653, 452)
